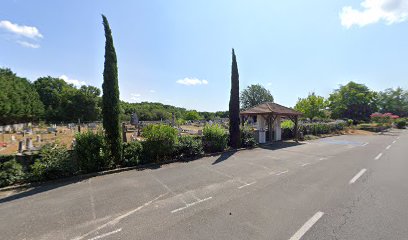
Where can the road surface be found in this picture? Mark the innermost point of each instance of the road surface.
(343, 187)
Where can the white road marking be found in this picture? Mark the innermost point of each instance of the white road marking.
(378, 156)
(245, 185)
(280, 173)
(394, 141)
(190, 204)
(305, 164)
(106, 234)
(322, 158)
(118, 219)
(168, 189)
(398, 138)
(365, 144)
(388, 147)
(309, 224)
(358, 175)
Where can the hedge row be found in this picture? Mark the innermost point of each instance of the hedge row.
(313, 128)
(161, 143)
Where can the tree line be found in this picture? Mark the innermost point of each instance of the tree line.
(53, 100)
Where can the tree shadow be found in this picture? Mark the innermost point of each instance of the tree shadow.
(224, 156)
(279, 145)
(39, 188)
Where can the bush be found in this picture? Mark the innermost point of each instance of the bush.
(215, 138)
(55, 162)
(160, 142)
(10, 172)
(189, 147)
(322, 128)
(350, 122)
(247, 137)
(89, 152)
(132, 153)
(401, 123)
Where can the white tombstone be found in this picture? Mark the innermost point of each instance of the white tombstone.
(29, 143)
(13, 138)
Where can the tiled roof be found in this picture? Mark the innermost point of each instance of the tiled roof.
(270, 108)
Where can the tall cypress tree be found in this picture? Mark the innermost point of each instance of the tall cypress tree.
(110, 98)
(234, 105)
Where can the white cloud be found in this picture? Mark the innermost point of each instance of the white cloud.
(25, 31)
(135, 97)
(27, 44)
(389, 11)
(152, 91)
(269, 84)
(192, 81)
(75, 82)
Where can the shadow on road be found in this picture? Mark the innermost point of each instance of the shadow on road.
(224, 156)
(279, 145)
(29, 191)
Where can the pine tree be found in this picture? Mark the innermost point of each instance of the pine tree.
(110, 99)
(234, 105)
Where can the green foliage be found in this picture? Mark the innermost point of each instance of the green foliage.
(55, 162)
(312, 107)
(64, 102)
(322, 128)
(110, 99)
(401, 123)
(215, 138)
(254, 95)
(353, 101)
(350, 122)
(160, 142)
(19, 102)
(89, 152)
(394, 100)
(192, 115)
(247, 137)
(132, 153)
(287, 124)
(189, 147)
(11, 172)
(234, 119)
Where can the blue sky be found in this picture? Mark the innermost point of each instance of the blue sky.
(179, 52)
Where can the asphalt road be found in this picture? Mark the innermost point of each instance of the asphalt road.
(344, 187)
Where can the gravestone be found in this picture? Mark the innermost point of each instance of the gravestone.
(20, 146)
(38, 138)
(29, 143)
(13, 138)
(134, 119)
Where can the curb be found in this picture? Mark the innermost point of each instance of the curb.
(113, 171)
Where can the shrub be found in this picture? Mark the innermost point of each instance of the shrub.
(350, 122)
(215, 138)
(55, 162)
(322, 128)
(10, 172)
(89, 152)
(160, 142)
(401, 123)
(189, 147)
(132, 153)
(247, 137)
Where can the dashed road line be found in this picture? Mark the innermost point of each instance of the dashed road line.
(357, 176)
(388, 147)
(323, 158)
(246, 185)
(394, 141)
(305, 164)
(191, 204)
(106, 234)
(378, 156)
(308, 225)
(365, 144)
(280, 173)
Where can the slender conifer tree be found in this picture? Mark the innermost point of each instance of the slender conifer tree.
(234, 105)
